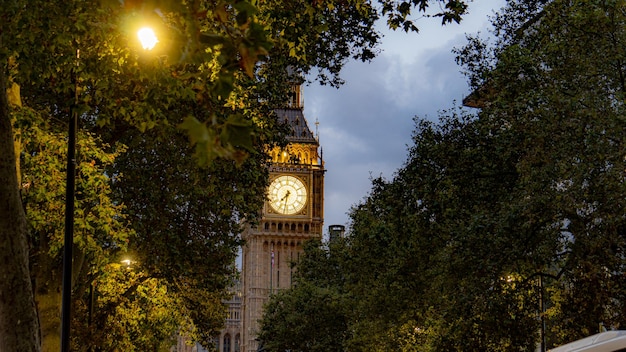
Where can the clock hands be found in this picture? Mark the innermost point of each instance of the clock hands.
(285, 198)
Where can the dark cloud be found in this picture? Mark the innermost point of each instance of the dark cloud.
(365, 126)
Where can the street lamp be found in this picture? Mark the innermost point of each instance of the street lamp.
(148, 41)
(127, 262)
(147, 38)
(68, 239)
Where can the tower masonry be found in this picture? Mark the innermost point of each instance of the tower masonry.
(292, 214)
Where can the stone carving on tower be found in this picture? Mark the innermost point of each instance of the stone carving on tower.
(292, 214)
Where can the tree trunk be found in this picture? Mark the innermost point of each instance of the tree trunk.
(19, 328)
(47, 274)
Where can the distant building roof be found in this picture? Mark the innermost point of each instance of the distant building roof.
(301, 133)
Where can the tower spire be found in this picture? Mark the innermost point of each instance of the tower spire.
(317, 132)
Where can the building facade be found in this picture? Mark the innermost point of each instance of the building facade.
(230, 337)
(292, 214)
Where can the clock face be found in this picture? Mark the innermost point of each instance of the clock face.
(287, 195)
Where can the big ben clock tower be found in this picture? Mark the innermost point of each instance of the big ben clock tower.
(292, 214)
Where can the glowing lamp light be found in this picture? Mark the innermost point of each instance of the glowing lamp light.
(147, 38)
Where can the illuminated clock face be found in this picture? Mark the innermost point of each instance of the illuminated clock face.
(287, 195)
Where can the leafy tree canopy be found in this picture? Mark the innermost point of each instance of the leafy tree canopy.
(218, 71)
(505, 219)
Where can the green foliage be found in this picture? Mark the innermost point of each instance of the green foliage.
(399, 12)
(187, 218)
(496, 212)
(321, 322)
(560, 95)
(130, 311)
(205, 50)
(203, 97)
(320, 326)
(100, 224)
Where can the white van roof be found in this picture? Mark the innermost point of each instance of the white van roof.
(609, 341)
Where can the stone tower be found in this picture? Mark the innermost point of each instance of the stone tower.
(292, 214)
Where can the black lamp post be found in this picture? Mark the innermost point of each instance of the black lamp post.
(68, 240)
(542, 312)
(149, 40)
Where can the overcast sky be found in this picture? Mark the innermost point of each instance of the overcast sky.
(365, 126)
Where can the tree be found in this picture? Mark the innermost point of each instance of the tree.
(318, 297)
(320, 326)
(559, 78)
(509, 217)
(130, 311)
(100, 229)
(417, 271)
(18, 318)
(74, 59)
(528, 190)
(189, 217)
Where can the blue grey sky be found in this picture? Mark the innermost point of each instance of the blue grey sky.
(365, 126)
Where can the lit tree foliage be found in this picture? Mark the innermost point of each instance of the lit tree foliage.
(218, 71)
(100, 228)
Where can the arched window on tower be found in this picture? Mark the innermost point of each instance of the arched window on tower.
(237, 343)
(226, 343)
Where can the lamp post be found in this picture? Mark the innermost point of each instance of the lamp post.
(542, 313)
(68, 240)
(148, 41)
